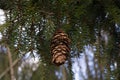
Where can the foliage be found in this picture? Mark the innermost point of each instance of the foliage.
(30, 24)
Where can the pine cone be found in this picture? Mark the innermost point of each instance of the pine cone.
(60, 47)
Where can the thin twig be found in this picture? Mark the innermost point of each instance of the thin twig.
(14, 63)
(8, 69)
(10, 63)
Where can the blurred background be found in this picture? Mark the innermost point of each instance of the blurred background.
(27, 27)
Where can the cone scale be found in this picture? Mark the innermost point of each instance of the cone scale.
(60, 47)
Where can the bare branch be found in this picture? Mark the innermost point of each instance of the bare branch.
(8, 69)
(10, 63)
(14, 63)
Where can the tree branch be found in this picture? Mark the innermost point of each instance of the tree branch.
(8, 69)
(10, 63)
(14, 63)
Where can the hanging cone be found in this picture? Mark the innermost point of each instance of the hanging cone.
(60, 47)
